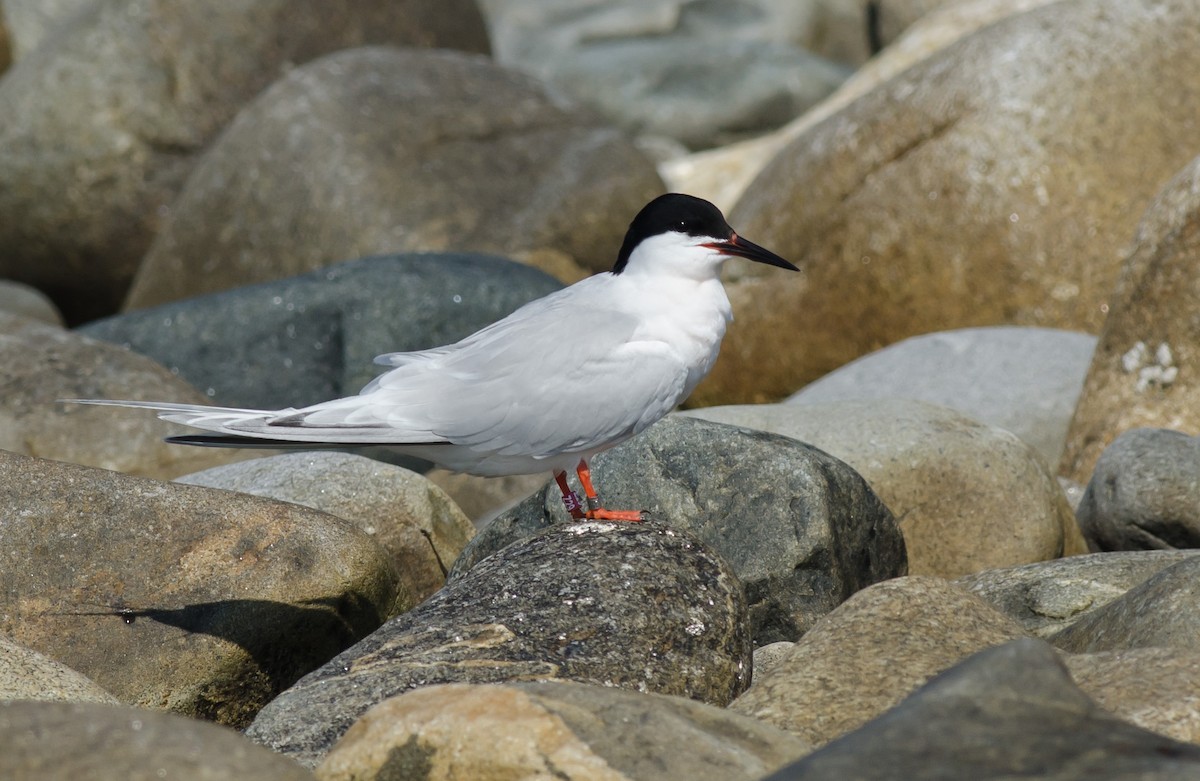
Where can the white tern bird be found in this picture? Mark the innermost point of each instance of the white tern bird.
(546, 388)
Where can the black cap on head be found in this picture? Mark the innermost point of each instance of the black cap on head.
(672, 212)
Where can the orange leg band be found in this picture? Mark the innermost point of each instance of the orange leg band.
(595, 510)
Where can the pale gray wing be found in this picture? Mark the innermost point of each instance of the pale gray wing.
(559, 379)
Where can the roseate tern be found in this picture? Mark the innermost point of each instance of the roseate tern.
(544, 389)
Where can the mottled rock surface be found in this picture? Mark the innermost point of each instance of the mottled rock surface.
(44, 363)
(1155, 688)
(980, 186)
(27, 675)
(1163, 610)
(870, 653)
(1023, 380)
(637, 606)
(1048, 596)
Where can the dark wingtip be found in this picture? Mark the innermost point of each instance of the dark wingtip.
(230, 440)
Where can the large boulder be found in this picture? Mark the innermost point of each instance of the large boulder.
(44, 363)
(639, 606)
(980, 186)
(204, 602)
(388, 150)
(1024, 380)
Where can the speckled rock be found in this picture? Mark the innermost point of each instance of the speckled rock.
(54, 740)
(388, 150)
(968, 496)
(1163, 610)
(1050, 595)
(199, 601)
(563, 730)
(870, 653)
(27, 675)
(313, 337)
(979, 186)
(44, 363)
(1023, 380)
(637, 606)
(1144, 372)
(410, 517)
(1007, 712)
(107, 117)
(800, 529)
(1144, 493)
(1155, 688)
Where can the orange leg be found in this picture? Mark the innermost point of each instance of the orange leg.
(595, 511)
(570, 498)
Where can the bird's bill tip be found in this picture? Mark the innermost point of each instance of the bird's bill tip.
(744, 248)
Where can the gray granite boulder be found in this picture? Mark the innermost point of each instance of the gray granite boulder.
(1144, 493)
(637, 606)
(556, 729)
(1023, 380)
(802, 530)
(1007, 712)
(54, 740)
(105, 119)
(871, 652)
(1048, 596)
(199, 601)
(1163, 610)
(378, 150)
(312, 337)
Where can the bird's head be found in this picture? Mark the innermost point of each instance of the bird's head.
(684, 235)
